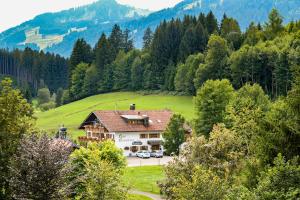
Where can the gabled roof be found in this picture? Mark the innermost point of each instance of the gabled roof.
(114, 121)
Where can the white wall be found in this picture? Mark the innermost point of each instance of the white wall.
(126, 139)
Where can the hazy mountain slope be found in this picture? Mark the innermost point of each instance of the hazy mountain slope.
(57, 32)
(245, 11)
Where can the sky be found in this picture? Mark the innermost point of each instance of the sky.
(14, 12)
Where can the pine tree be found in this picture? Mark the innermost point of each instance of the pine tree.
(115, 41)
(147, 38)
(211, 23)
(78, 75)
(81, 53)
(137, 71)
(102, 59)
(127, 41)
(274, 25)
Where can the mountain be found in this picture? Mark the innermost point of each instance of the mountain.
(245, 11)
(57, 32)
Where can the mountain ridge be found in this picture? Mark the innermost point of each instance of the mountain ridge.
(57, 32)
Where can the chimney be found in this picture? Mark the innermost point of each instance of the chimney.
(132, 106)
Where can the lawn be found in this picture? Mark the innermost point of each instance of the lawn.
(71, 115)
(144, 178)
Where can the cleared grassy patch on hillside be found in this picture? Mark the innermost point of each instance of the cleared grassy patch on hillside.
(71, 115)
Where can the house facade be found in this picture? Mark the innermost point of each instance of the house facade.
(131, 130)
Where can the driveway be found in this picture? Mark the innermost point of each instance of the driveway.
(135, 161)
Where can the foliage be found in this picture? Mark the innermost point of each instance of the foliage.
(216, 62)
(43, 96)
(174, 135)
(210, 104)
(59, 97)
(274, 26)
(102, 181)
(280, 181)
(77, 82)
(245, 112)
(203, 185)
(16, 120)
(81, 53)
(184, 79)
(47, 106)
(37, 168)
(82, 163)
(90, 81)
(204, 162)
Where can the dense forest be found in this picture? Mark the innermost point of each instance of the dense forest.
(32, 70)
(182, 54)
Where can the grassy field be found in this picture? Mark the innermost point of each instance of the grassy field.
(71, 115)
(144, 178)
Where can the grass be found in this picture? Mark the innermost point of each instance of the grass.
(144, 178)
(71, 115)
(138, 197)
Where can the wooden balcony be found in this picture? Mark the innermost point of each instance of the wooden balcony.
(92, 139)
(97, 128)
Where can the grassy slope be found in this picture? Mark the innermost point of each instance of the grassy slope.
(71, 115)
(144, 178)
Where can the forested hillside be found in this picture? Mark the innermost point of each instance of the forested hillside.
(182, 54)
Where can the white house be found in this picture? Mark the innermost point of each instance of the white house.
(132, 130)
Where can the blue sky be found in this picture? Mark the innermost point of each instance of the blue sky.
(14, 12)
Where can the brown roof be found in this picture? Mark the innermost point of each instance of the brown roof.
(114, 122)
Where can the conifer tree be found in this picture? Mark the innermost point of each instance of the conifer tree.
(81, 53)
(211, 23)
(147, 38)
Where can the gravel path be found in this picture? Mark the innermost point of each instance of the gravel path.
(150, 195)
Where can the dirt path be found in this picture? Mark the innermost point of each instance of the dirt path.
(147, 194)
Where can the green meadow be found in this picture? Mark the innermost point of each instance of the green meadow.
(71, 115)
(144, 178)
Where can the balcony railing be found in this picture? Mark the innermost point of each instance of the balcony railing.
(92, 139)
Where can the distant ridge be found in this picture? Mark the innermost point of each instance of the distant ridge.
(57, 32)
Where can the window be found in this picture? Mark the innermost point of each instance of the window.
(89, 134)
(154, 135)
(144, 148)
(134, 149)
(143, 136)
(126, 148)
(155, 147)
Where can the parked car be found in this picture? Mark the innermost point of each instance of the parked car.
(157, 154)
(143, 154)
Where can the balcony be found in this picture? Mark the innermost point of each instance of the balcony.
(93, 139)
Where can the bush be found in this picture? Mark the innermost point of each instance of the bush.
(281, 181)
(85, 161)
(47, 106)
(37, 168)
(43, 96)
